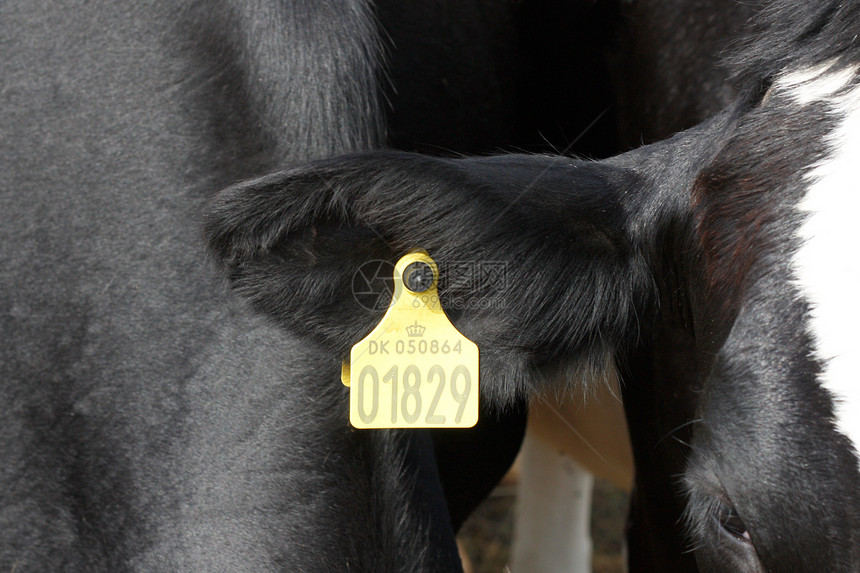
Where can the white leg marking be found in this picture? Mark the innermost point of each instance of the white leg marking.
(828, 263)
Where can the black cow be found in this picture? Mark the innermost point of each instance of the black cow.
(721, 261)
(150, 421)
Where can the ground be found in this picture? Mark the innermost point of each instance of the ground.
(486, 536)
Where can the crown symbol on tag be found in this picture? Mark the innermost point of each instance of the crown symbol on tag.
(414, 330)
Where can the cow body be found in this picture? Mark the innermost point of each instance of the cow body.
(696, 264)
(151, 422)
(142, 424)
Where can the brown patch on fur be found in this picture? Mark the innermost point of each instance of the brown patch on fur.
(747, 192)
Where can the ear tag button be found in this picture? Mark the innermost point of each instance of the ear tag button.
(414, 370)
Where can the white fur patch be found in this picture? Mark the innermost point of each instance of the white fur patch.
(815, 84)
(828, 263)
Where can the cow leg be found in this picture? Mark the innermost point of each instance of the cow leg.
(552, 532)
(569, 443)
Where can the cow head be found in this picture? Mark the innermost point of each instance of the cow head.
(739, 232)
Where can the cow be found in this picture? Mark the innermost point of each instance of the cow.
(716, 265)
(151, 422)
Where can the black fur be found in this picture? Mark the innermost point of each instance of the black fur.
(666, 64)
(150, 421)
(676, 251)
(791, 35)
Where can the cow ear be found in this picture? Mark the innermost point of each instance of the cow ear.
(542, 275)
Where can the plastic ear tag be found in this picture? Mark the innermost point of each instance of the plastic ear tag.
(414, 370)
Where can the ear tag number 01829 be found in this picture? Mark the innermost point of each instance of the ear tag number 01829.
(414, 370)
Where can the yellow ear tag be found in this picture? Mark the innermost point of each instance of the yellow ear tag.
(414, 370)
